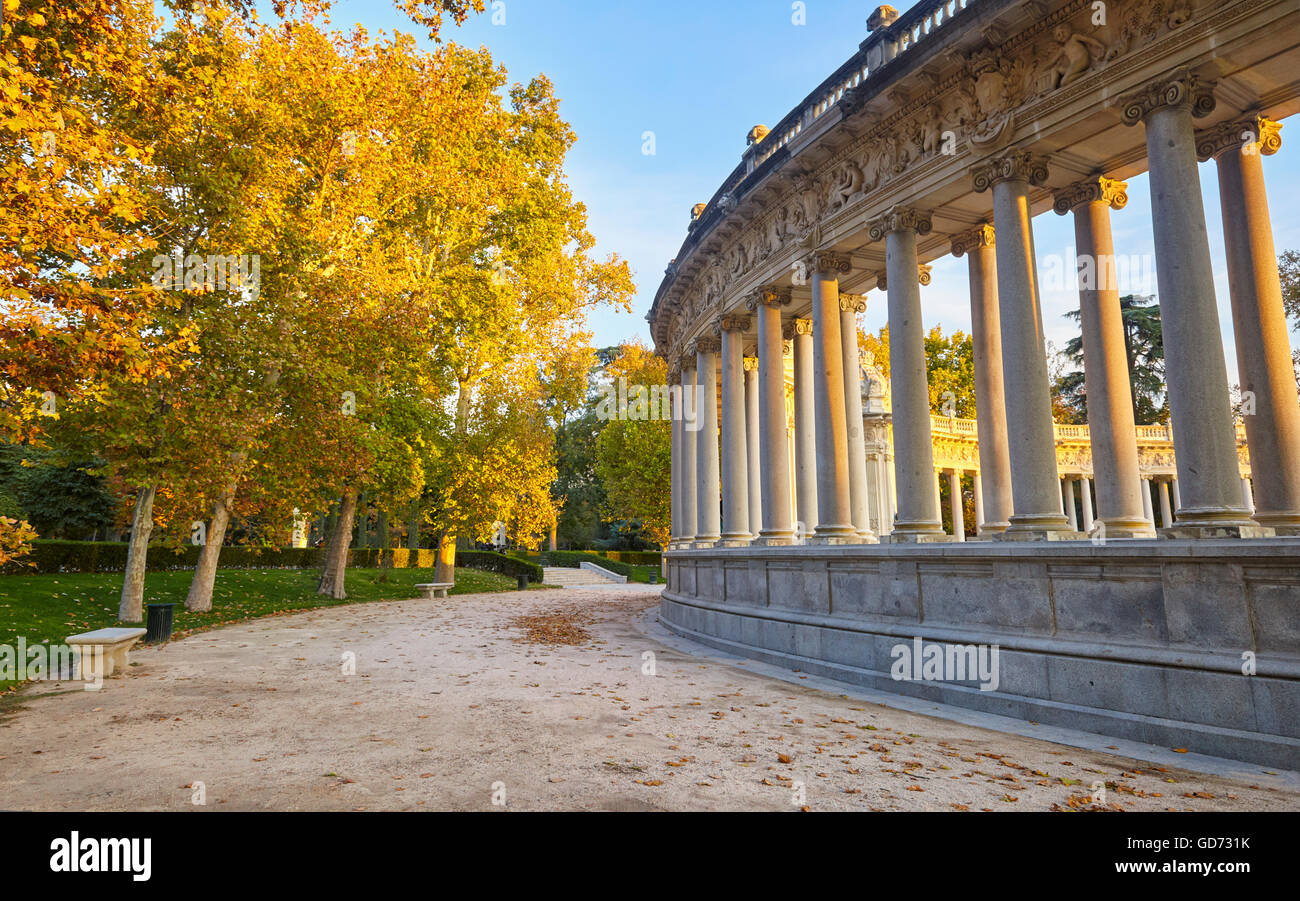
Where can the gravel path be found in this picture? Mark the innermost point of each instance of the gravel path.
(453, 706)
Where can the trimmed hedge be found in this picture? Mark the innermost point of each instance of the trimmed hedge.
(636, 558)
(106, 557)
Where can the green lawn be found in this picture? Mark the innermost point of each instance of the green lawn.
(52, 607)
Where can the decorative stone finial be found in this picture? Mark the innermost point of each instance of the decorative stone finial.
(881, 17)
(698, 210)
(756, 134)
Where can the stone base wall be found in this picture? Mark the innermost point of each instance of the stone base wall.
(1145, 640)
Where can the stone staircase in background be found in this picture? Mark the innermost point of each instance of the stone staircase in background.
(568, 577)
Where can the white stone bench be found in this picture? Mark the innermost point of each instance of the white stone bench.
(432, 590)
(114, 643)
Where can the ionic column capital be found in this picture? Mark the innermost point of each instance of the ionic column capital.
(705, 344)
(734, 322)
(1181, 89)
(1018, 165)
(827, 263)
(923, 273)
(900, 218)
(882, 280)
(979, 236)
(751, 364)
(774, 296)
(796, 327)
(853, 303)
(1253, 134)
(1090, 190)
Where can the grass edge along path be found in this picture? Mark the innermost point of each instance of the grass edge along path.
(49, 608)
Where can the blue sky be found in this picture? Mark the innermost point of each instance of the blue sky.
(699, 75)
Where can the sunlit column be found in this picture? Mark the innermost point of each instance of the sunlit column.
(1205, 447)
(778, 524)
(1258, 319)
(1035, 488)
(994, 499)
(753, 468)
(1166, 512)
(1105, 363)
(675, 479)
(735, 450)
(979, 504)
(1085, 495)
(1067, 503)
(955, 501)
(917, 517)
(1146, 502)
(834, 501)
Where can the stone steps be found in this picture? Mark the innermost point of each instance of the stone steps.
(563, 575)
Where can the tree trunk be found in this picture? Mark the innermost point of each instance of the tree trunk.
(381, 530)
(446, 568)
(131, 609)
(413, 527)
(550, 544)
(359, 538)
(336, 550)
(199, 599)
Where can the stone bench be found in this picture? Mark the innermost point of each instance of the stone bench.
(113, 644)
(431, 590)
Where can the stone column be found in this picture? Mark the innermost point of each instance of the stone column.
(1146, 502)
(778, 524)
(834, 501)
(675, 481)
(979, 504)
(708, 512)
(690, 430)
(753, 467)
(1173, 490)
(1166, 512)
(1205, 447)
(1105, 364)
(1035, 488)
(1085, 495)
(1067, 503)
(1247, 495)
(859, 491)
(735, 449)
(958, 508)
(917, 517)
(990, 400)
(800, 333)
(1258, 320)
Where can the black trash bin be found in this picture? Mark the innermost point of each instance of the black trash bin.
(158, 627)
(523, 583)
(654, 577)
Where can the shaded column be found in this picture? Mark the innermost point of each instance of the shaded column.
(778, 524)
(735, 449)
(979, 505)
(1067, 503)
(994, 496)
(917, 510)
(799, 333)
(708, 513)
(1196, 375)
(1258, 319)
(1085, 497)
(1166, 511)
(675, 481)
(1247, 495)
(1035, 489)
(1105, 363)
(859, 489)
(1146, 502)
(753, 469)
(690, 428)
(834, 501)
